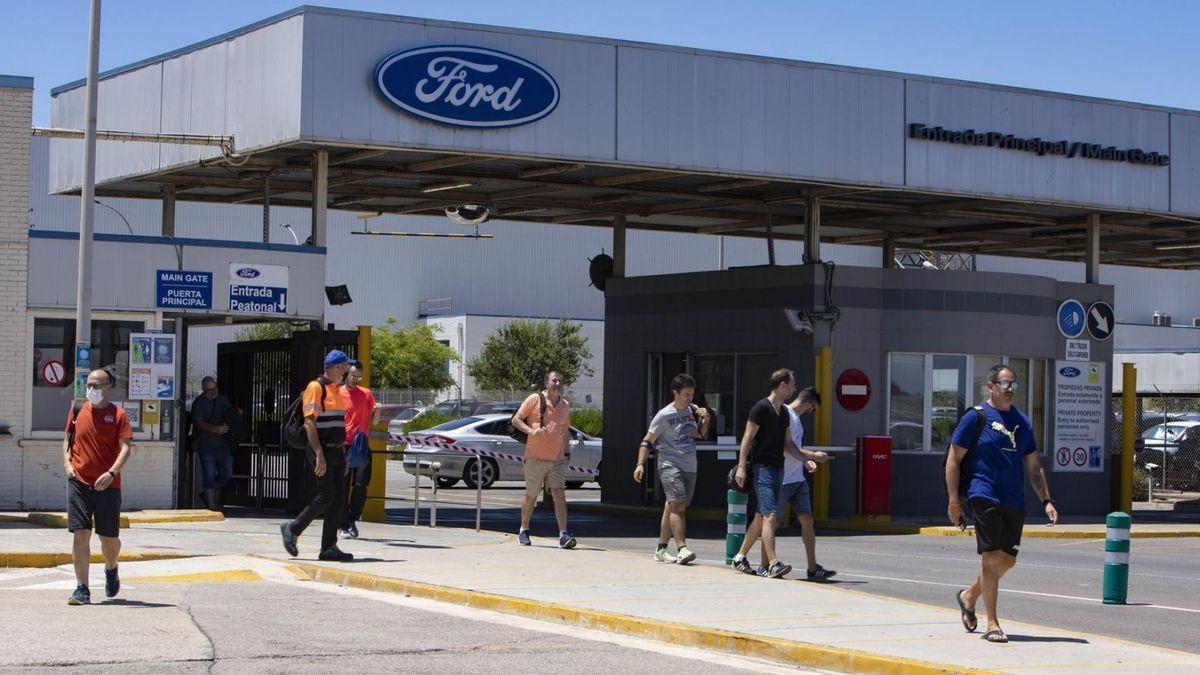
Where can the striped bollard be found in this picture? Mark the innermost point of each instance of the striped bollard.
(1116, 558)
(735, 528)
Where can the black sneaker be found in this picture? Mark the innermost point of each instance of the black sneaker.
(820, 574)
(352, 530)
(743, 566)
(289, 539)
(778, 570)
(335, 554)
(112, 582)
(566, 540)
(81, 596)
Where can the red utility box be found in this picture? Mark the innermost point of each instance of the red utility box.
(873, 493)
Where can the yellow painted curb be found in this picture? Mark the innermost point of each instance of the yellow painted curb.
(41, 559)
(14, 519)
(1040, 532)
(774, 649)
(132, 518)
(216, 575)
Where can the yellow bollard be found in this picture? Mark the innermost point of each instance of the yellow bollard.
(823, 417)
(375, 510)
(1128, 435)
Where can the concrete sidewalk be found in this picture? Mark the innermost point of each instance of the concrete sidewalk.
(801, 623)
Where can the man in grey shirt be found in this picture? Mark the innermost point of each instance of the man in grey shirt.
(674, 431)
(210, 415)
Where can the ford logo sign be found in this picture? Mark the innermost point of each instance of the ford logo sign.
(1068, 371)
(466, 86)
(248, 273)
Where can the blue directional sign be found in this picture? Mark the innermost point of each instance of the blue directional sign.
(1071, 318)
(258, 289)
(183, 289)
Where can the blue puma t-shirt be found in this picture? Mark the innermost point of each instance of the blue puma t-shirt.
(998, 461)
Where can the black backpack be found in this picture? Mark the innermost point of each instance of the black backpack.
(516, 434)
(964, 466)
(71, 432)
(294, 434)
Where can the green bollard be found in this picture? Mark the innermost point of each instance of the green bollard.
(1116, 558)
(735, 523)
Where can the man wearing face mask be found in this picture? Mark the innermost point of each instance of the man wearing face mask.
(1001, 451)
(210, 415)
(95, 449)
(325, 423)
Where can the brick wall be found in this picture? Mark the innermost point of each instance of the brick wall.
(146, 481)
(16, 116)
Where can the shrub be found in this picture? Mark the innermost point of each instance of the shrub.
(590, 421)
(425, 420)
(1140, 486)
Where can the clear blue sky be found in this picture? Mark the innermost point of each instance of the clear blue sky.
(1144, 51)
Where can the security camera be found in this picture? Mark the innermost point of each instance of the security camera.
(468, 214)
(800, 321)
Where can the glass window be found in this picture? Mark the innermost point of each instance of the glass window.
(1037, 409)
(906, 401)
(54, 340)
(1020, 368)
(983, 364)
(714, 390)
(949, 386)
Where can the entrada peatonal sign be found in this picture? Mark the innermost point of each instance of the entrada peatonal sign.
(1037, 145)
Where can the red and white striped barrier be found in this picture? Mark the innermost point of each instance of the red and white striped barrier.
(431, 442)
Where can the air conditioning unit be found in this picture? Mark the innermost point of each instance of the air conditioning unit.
(1161, 319)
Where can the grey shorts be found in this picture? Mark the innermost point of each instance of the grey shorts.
(678, 485)
(540, 472)
(797, 494)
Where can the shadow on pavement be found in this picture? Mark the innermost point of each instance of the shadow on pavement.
(133, 603)
(1045, 638)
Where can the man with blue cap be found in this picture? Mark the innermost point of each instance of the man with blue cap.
(325, 423)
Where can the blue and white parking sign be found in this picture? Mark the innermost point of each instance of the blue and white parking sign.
(1072, 320)
(182, 289)
(258, 289)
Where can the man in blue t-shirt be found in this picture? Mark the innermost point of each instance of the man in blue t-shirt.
(1004, 452)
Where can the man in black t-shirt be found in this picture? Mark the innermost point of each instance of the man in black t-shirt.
(763, 443)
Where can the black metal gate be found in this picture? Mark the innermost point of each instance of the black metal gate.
(261, 379)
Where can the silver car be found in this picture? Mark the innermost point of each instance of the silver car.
(486, 433)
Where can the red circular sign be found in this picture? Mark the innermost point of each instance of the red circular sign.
(53, 372)
(1080, 456)
(853, 389)
(1064, 457)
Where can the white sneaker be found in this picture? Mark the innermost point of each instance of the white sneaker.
(684, 556)
(661, 555)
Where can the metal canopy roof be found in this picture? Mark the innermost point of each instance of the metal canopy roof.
(553, 192)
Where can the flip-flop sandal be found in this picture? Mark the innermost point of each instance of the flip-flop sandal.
(996, 636)
(969, 621)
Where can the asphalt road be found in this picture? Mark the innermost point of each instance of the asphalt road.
(301, 627)
(1056, 583)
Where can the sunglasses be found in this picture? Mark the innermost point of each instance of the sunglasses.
(1006, 385)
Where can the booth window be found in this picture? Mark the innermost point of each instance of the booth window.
(727, 384)
(928, 392)
(54, 341)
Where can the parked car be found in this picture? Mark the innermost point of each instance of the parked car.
(486, 432)
(389, 412)
(1175, 448)
(459, 407)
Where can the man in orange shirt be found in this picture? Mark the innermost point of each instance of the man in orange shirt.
(545, 417)
(325, 423)
(95, 449)
(362, 413)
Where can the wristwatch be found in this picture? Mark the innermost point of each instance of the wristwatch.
(109, 472)
(1046, 502)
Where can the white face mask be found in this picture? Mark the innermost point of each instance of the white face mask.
(94, 396)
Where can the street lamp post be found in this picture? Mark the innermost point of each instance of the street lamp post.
(87, 212)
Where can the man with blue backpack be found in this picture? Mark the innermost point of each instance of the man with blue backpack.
(991, 451)
(362, 413)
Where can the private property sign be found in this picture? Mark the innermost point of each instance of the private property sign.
(258, 289)
(182, 289)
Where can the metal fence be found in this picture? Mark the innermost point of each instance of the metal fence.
(1166, 452)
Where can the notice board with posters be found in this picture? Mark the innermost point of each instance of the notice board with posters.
(1080, 416)
(151, 366)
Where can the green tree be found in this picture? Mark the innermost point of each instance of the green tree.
(518, 355)
(269, 331)
(409, 358)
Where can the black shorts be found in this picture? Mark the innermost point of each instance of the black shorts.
(86, 504)
(997, 527)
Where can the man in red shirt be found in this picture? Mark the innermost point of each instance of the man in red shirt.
(95, 449)
(362, 413)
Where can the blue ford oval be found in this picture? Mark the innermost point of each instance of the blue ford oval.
(247, 273)
(1068, 371)
(466, 86)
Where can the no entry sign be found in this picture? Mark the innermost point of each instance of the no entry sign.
(53, 372)
(853, 389)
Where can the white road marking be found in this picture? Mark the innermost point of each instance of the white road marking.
(1011, 590)
(1029, 564)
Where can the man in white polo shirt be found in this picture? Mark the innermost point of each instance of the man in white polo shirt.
(795, 489)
